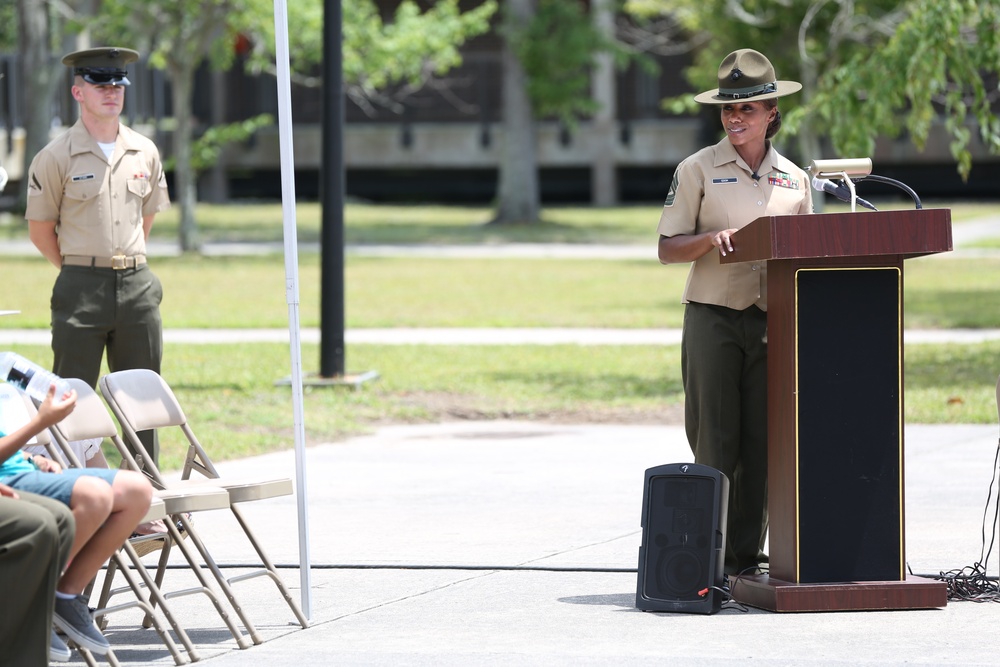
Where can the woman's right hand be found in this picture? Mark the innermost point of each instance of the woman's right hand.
(723, 241)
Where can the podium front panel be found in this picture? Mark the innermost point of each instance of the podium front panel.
(849, 424)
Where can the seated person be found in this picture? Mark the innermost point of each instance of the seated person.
(88, 454)
(106, 504)
(36, 534)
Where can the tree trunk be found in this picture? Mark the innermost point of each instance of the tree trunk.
(182, 80)
(604, 176)
(518, 198)
(215, 183)
(41, 76)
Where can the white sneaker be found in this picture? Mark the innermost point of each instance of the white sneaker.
(58, 651)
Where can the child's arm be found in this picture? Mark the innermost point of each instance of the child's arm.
(51, 411)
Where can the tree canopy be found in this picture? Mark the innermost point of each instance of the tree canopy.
(869, 68)
(940, 65)
(408, 48)
(181, 35)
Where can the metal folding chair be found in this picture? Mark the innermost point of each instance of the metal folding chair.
(90, 419)
(141, 400)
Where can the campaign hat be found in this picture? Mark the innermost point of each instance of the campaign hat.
(102, 66)
(747, 75)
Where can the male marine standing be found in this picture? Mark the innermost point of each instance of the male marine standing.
(93, 192)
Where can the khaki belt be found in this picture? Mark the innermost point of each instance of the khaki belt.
(117, 262)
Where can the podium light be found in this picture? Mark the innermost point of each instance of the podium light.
(843, 168)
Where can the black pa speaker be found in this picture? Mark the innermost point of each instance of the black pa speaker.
(682, 555)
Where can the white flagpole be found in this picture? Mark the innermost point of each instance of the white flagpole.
(282, 61)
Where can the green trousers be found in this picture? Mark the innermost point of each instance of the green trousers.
(36, 535)
(724, 369)
(97, 310)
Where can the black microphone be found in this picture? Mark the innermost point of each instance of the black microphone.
(839, 191)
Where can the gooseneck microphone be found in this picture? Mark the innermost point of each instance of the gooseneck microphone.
(839, 191)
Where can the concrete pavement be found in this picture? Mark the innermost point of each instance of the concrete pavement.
(515, 543)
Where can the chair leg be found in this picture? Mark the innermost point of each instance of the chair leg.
(206, 588)
(219, 577)
(157, 597)
(272, 571)
(106, 593)
(161, 569)
(117, 564)
(89, 658)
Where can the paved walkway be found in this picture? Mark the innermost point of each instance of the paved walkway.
(515, 543)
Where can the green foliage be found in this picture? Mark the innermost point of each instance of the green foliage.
(933, 69)
(557, 50)
(181, 34)
(8, 27)
(870, 68)
(378, 53)
(206, 149)
(722, 26)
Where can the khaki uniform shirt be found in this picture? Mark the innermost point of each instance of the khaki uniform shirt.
(711, 191)
(97, 205)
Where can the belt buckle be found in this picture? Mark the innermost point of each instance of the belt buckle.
(119, 262)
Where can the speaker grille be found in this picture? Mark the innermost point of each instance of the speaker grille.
(680, 574)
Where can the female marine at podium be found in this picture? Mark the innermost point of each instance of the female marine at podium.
(714, 193)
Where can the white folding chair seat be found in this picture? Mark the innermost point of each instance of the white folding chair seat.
(141, 400)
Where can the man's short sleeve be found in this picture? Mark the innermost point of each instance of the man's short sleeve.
(159, 198)
(45, 188)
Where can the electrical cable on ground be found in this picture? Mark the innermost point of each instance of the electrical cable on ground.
(972, 583)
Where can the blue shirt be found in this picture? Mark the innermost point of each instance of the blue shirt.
(16, 464)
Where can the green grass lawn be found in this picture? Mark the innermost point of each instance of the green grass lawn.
(230, 395)
(229, 390)
(249, 292)
(424, 223)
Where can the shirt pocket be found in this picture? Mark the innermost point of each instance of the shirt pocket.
(138, 186)
(83, 189)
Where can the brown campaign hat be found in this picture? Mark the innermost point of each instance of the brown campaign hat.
(102, 66)
(747, 75)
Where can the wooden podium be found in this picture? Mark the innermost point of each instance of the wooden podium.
(835, 408)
